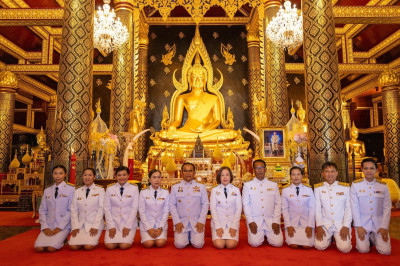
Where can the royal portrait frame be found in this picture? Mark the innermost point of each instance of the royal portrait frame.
(271, 153)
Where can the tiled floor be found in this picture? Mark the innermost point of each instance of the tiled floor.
(9, 231)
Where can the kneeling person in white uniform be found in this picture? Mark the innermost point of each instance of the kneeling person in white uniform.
(298, 210)
(262, 208)
(120, 208)
(87, 213)
(371, 206)
(188, 207)
(154, 211)
(226, 209)
(55, 213)
(332, 211)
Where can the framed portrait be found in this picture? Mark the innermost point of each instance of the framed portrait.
(274, 144)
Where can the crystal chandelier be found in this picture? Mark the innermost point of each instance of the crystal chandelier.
(286, 29)
(109, 34)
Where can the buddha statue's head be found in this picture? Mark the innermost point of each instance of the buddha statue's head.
(354, 132)
(197, 74)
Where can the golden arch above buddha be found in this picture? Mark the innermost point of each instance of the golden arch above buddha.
(200, 98)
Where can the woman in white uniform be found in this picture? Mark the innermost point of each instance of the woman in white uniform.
(298, 210)
(120, 208)
(153, 212)
(55, 213)
(87, 213)
(226, 209)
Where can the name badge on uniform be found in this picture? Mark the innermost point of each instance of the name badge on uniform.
(63, 195)
(160, 198)
(79, 198)
(94, 195)
(340, 193)
(306, 196)
(128, 196)
(291, 195)
(234, 194)
(218, 192)
(112, 195)
(270, 189)
(147, 197)
(323, 191)
(378, 192)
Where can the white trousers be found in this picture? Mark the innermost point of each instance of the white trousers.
(257, 239)
(381, 246)
(190, 235)
(343, 246)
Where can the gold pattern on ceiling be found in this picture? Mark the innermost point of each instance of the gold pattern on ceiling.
(196, 8)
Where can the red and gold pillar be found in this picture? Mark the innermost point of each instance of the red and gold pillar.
(325, 124)
(8, 86)
(389, 82)
(74, 91)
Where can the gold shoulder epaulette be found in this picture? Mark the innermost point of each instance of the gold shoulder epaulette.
(72, 185)
(79, 187)
(318, 185)
(215, 186)
(177, 182)
(49, 186)
(358, 180)
(164, 187)
(285, 186)
(343, 184)
(307, 185)
(98, 185)
(112, 184)
(234, 185)
(382, 182)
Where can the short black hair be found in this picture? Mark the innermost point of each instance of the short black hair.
(188, 163)
(122, 168)
(220, 172)
(61, 167)
(261, 161)
(329, 164)
(294, 168)
(369, 160)
(151, 173)
(90, 169)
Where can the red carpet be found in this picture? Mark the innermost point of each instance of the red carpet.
(18, 250)
(395, 213)
(17, 219)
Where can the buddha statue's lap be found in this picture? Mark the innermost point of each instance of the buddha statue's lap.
(203, 110)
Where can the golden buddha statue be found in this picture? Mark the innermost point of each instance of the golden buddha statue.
(200, 99)
(355, 145)
(136, 117)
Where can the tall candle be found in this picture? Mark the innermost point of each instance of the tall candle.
(72, 172)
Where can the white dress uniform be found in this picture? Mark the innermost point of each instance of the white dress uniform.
(153, 212)
(298, 211)
(262, 205)
(87, 213)
(371, 206)
(189, 206)
(55, 212)
(332, 212)
(121, 212)
(225, 211)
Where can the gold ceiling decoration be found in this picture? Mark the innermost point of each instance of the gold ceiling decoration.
(196, 8)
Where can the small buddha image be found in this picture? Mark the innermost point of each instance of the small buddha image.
(354, 145)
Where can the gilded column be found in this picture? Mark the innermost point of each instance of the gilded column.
(50, 130)
(74, 91)
(8, 86)
(325, 124)
(276, 74)
(256, 93)
(141, 92)
(122, 76)
(390, 81)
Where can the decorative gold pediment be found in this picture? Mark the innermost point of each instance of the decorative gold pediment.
(196, 8)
